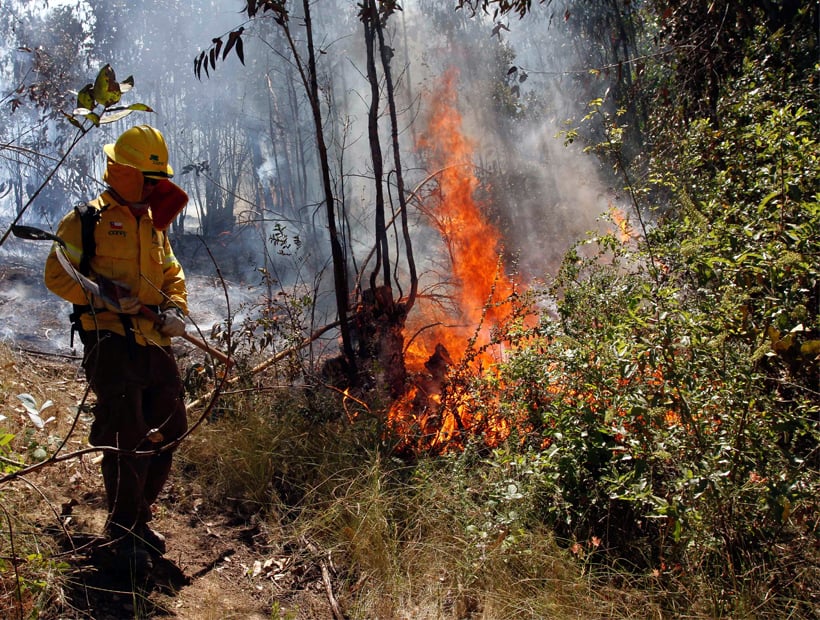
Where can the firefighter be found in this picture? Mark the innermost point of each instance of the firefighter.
(127, 357)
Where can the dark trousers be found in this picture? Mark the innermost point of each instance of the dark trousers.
(139, 407)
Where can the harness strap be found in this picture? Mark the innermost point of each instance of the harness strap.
(125, 319)
(89, 217)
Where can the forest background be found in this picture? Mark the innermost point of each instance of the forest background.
(622, 424)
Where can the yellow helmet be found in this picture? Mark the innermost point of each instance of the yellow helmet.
(141, 147)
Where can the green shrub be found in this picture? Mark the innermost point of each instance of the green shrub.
(669, 416)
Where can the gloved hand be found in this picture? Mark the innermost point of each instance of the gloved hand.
(171, 323)
(127, 305)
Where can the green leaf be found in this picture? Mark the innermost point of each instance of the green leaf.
(115, 114)
(85, 98)
(762, 207)
(106, 88)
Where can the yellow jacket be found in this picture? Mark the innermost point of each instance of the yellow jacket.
(132, 253)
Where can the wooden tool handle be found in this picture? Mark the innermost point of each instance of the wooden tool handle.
(197, 342)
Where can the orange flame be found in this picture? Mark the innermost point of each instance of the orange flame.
(480, 287)
(479, 291)
(625, 232)
(436, 412)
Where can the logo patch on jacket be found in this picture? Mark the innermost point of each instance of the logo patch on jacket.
(116, 225)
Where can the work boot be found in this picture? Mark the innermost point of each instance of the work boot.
(153, 541)
(131, 555)
(130, 552)
(140, 562)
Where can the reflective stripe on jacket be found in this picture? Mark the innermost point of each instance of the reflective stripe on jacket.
(130, 252)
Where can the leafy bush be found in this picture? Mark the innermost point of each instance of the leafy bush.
(672, 410)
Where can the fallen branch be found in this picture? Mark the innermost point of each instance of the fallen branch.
(17, 581)
(331, 597)
(268, 362)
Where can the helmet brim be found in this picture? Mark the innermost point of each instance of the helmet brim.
(169, 172)
(111, 153)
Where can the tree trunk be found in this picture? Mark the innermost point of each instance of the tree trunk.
(370, 18)
(386, 55)
(337, 252)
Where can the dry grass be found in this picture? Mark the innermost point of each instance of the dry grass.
(401, 537)
(31, 504)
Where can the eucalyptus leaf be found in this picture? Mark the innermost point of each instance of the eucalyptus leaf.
(85, 98)
(140, 107)
(110, 117)
(106, 88)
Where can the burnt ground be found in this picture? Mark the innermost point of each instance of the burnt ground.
(218, 565)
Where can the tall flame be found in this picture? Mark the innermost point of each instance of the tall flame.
(434, 413)
(478, 293)
(479, 286)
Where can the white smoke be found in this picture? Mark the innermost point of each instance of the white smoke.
(558, 194)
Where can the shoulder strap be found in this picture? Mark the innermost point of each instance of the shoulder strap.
(89, 216)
